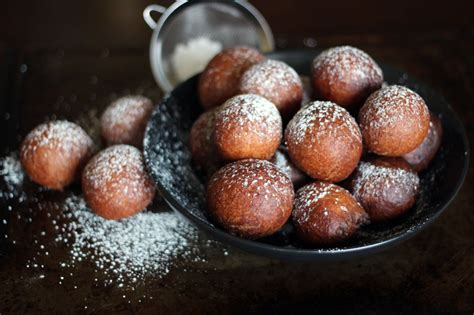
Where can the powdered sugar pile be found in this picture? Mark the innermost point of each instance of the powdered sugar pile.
(124, 253)
(319, 119)
(128, 249)
(191, 57)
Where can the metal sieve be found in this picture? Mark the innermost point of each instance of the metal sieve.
(229, 22)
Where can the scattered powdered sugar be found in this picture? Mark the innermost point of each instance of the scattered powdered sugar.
(123, 253)
(372, 178)
(168, 157)
(11, 170)
(340, 61)
(271, 79)
(249, 113)
(322, 119)
(56, 135)
(13, 176)
(128, 249)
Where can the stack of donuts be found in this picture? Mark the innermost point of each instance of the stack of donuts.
(340, 151)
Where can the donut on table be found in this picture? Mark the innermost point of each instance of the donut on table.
(54, 153)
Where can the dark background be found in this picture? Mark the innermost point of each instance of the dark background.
(71, 58)
(118, 24)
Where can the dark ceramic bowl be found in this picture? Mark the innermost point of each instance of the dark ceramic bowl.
(169, 162)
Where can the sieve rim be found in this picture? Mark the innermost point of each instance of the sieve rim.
(155, 50)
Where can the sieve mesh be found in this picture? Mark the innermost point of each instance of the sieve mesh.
(230, 23)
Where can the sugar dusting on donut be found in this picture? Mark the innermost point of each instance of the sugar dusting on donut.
(268, 78)
(61, 135)
(120, 167)
(270, 181)
(347, 59)
(252, 109)
(391, 105)
(373, 177)
(122, 111)
(323, 117)
(310, 195)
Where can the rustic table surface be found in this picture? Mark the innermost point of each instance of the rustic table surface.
(434, 271)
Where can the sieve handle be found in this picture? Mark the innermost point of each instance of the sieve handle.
(148, 11)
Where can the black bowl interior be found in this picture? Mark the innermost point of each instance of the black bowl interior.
(169, 162)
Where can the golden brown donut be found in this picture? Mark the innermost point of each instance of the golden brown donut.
(324, 141)
(250, 198)
(247, 126)
(115, 183)
(421, 157)
(220, 79)
(325, 213)
(346, 76)
(277, 82)
(386, 187)
(283, 161)
(124, 120)
(203, 148)
(394, 121)
(54, 153)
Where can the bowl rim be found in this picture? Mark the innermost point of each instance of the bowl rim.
(308, 254)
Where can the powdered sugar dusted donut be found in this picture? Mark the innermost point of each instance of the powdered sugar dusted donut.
(115, 183)
(385, 187)
(277, 82)
(346, 76)
(324, 141)
(250, 198)
(220, 79)
(325, 213)
(124, 120)
(247, 126)
(394, 121)
(54, 153)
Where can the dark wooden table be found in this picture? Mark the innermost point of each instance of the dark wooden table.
(432, 272)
